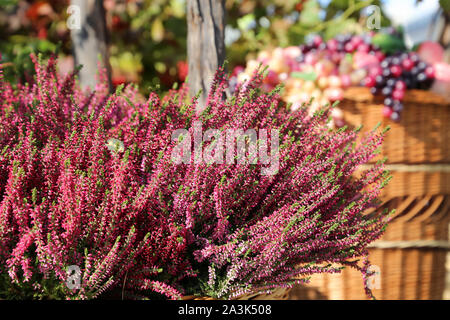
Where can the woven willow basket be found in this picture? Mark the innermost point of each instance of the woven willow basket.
(409, 258)
(411, 255)
(422, 135)
(415, 180)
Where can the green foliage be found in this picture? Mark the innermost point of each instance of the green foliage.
(289, 22)
(50, 288)
(16, 55)
(148, 37)
(389, 43)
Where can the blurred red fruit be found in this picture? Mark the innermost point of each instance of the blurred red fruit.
(118, 80)
(400, 85)
(387, 111)
(42, 33)
(369, 82)
(379, 55)
(375, 71)
(407, 64)
(429, 71)
(364, 60)
(346, 81)
(332, 44)
(317, 40)
(299, 6)
(357, 40)
(431, 52)
(398, 94)
(272, 77)
(396, 71)
(349, 47)
(363, 47)
(237, 70)
(442, 71)
(182, 70)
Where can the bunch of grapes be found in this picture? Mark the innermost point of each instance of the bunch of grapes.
(336, 64)
(397, 73)
(344, 43)
(343, 61)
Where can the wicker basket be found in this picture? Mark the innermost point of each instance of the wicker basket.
(415, 180)
(410, 256)
(422, 135)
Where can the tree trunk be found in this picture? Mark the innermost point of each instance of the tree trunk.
(205, 44)
(90, 42)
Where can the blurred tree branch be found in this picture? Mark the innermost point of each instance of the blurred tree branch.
(90, 42)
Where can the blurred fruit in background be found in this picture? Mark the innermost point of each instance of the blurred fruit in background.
(321, 70)
(156, 29)
(148, 41)
(148, 38)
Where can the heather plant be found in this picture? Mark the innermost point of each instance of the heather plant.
(87, 179)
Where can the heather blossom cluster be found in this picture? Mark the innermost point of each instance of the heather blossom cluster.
(88, 179)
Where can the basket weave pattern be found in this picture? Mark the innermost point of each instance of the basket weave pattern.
(421, 136)
(411, 255)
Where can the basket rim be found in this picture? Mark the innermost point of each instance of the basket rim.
(362, 94)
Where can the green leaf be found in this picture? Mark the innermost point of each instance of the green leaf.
(8, 2)
(309, 16)
(245, 22)
(388, 43)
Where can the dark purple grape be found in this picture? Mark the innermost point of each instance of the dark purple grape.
(408, 81)
(367, 39)
(388, 102)
(404, 56)
(386, 91)
(300, 58)
(398, 106)
(414, 57)
(395, 116)
(421, 77)
(384, 64)
(386, 73)
(395, 61)
(405, 74)
(415, 71)
(340, 38)
(308, 47)
(375, 91)
(421, 65)
(379, 81)
(322, 46)
(428, 83)
(391, 82)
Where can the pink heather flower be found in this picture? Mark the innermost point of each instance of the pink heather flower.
(135, 222)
